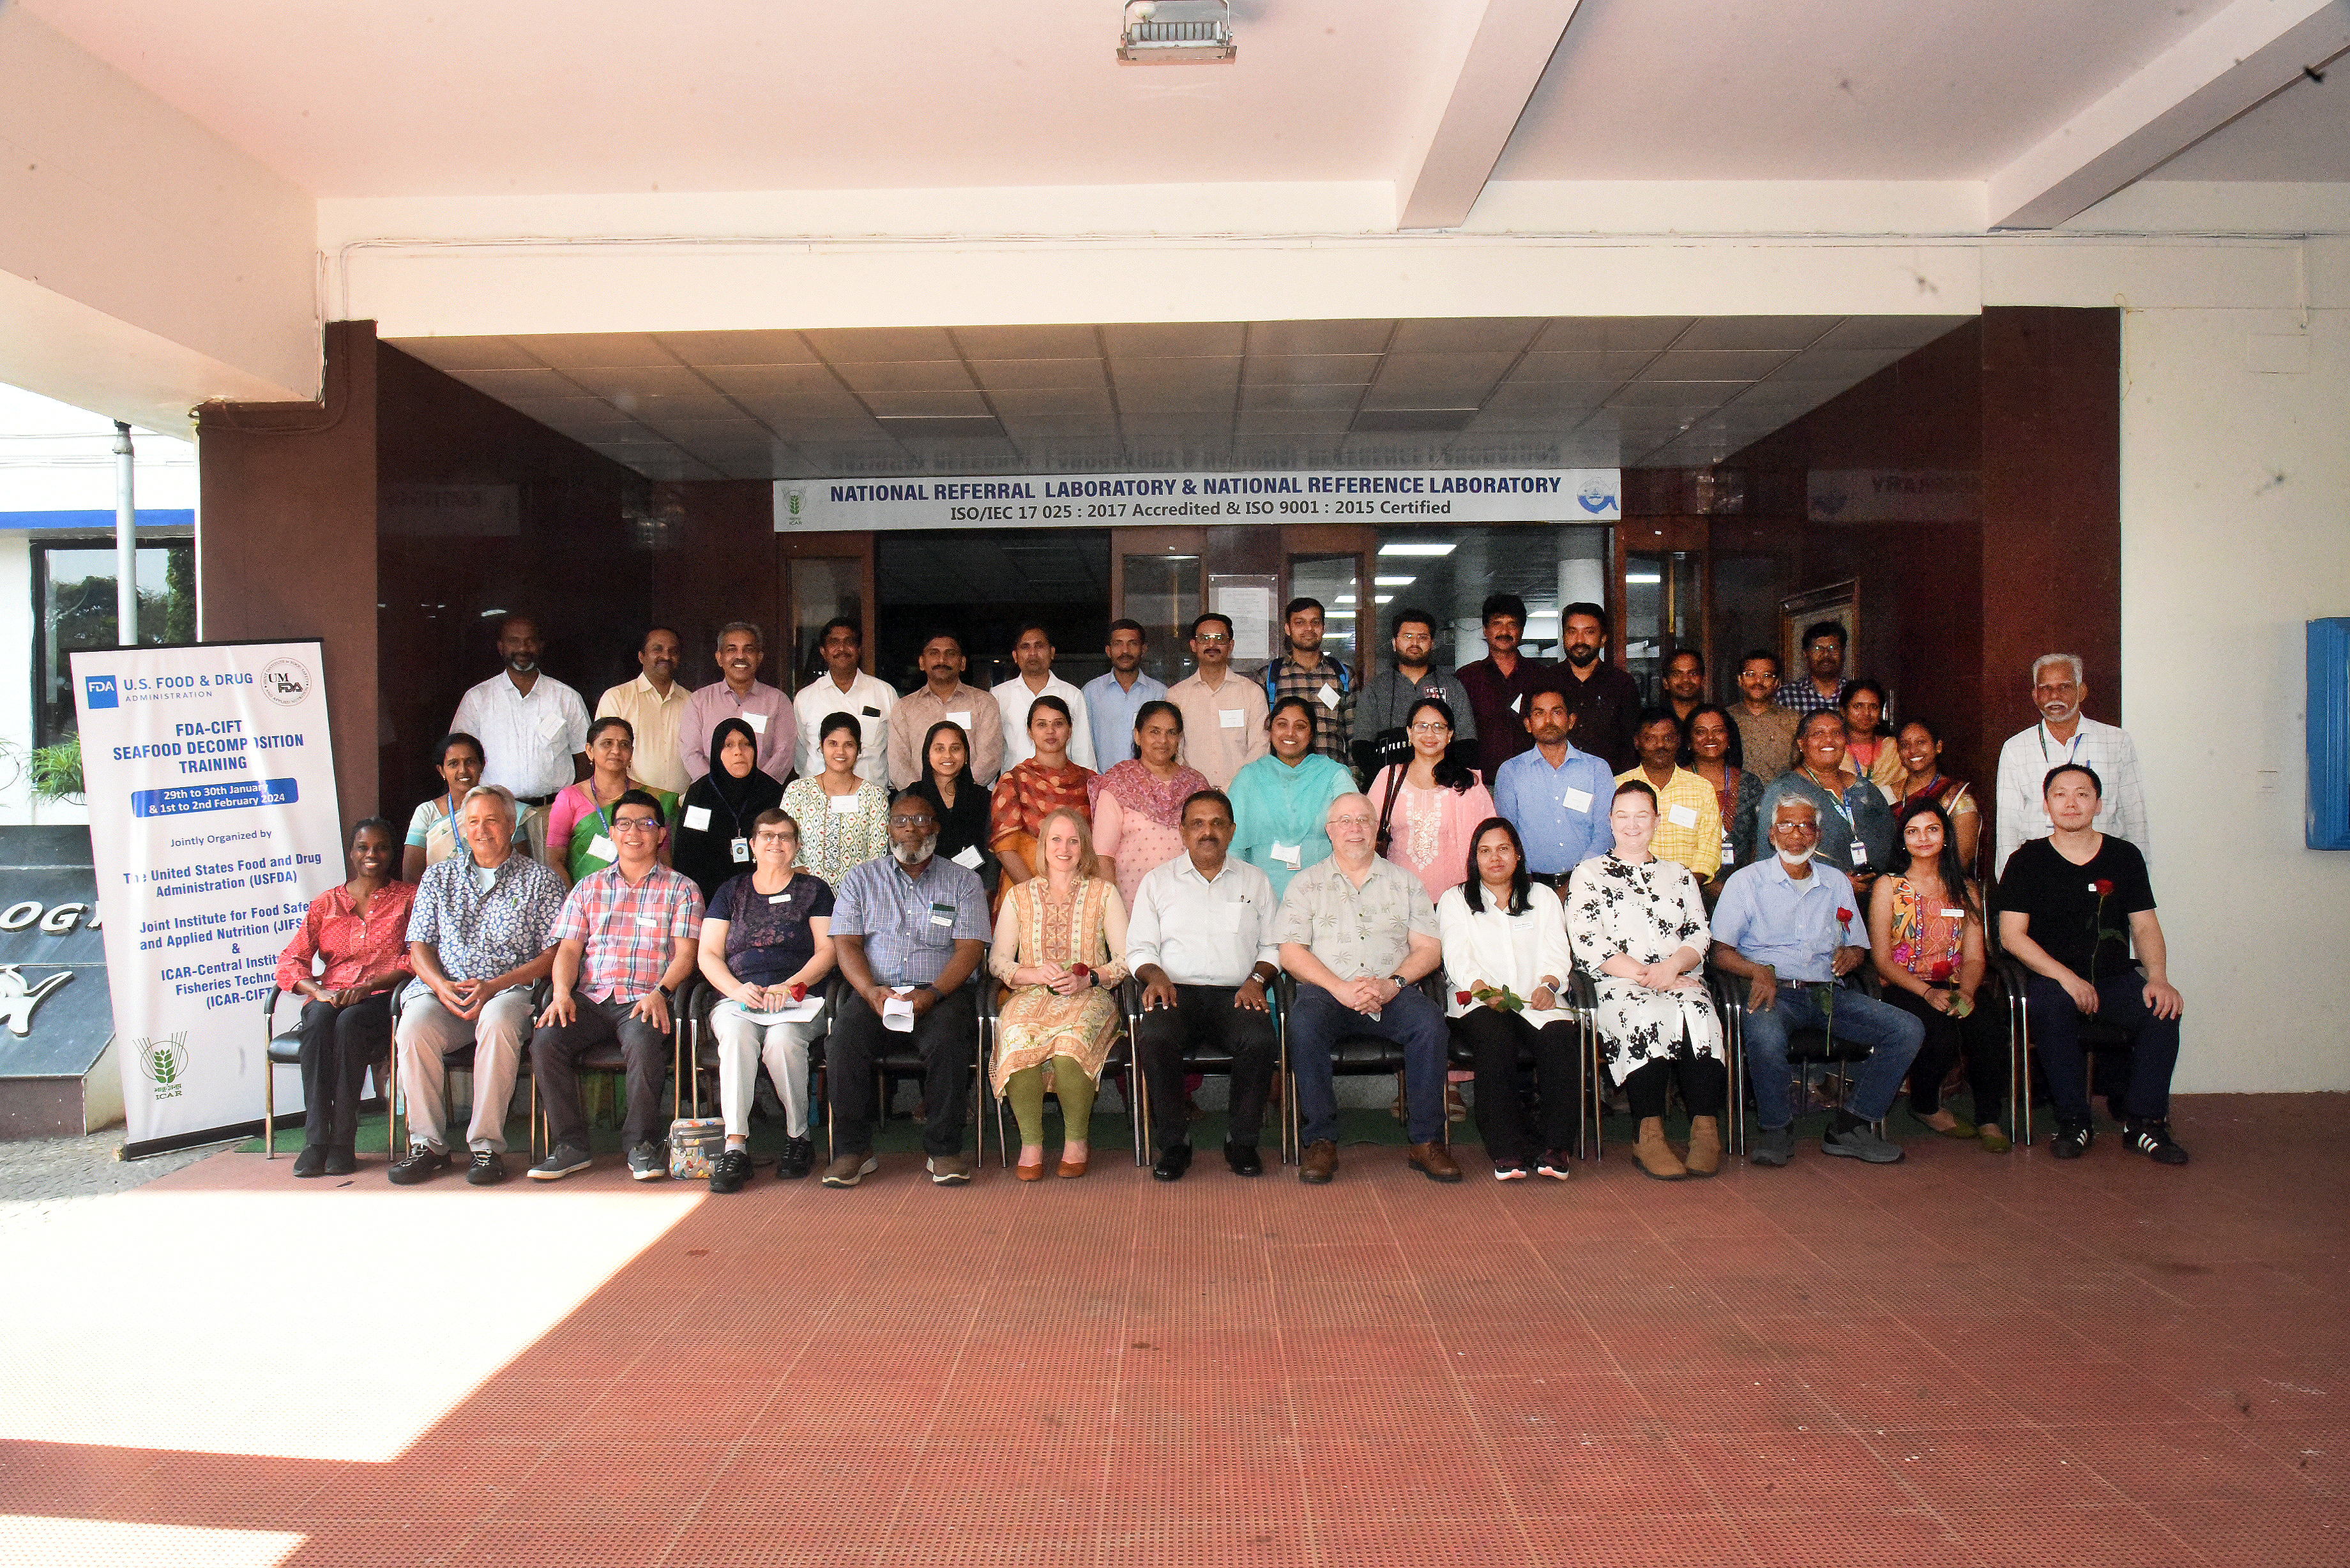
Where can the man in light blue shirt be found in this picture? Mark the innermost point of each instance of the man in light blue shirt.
(1557, 796)
(1793, 929)
(1111, 700)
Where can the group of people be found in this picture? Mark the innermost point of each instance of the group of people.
(840, 865)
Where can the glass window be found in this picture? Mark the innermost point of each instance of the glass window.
(823, 589)
(1661, 607)
(1449, 572)
(1162, 593)
(73, 601)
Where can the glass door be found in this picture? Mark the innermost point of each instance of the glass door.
(825, 576)
(1158, 577)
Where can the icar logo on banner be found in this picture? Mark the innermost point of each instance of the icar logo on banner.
(210, 773)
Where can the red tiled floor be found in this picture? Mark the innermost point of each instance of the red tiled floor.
(1963, 1361)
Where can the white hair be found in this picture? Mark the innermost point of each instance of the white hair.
(499, 792)
(2080, 671)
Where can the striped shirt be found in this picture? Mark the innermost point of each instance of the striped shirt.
(910, 924)
(627, 930)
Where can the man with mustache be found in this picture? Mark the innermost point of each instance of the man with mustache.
(532, 727)
(1605, 700)
(2060, 684)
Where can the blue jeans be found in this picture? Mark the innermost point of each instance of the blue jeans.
(2121, 1002)
(1320, 1020)
(1892, 1036)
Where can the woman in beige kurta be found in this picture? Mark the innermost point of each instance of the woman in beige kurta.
(1060, 946)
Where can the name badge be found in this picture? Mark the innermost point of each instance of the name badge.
(845, 804)
(1230, 720)
(551, 726)
(1329, 698)
(1954, 914)
(697, 817)
(652, 920)
(1728, 851)
(1289, 855)
(1579, 800)
(942, 914)
(969, 858)
(601, 848)
(742, 851)
(779, 898)
(943, 919)
(1859, 853)
(1681, 816)
(758, 723)
(1516, 702)
(871, 712)
(963, 718)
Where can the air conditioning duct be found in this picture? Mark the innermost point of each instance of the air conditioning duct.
(1177, 32)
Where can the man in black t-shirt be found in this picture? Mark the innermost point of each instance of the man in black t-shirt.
(2072, 906)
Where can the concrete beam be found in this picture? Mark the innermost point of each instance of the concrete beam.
(1499, 56)
(2249, 51)
(146, 265)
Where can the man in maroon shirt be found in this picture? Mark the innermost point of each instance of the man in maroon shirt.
(1499, 684)
(1605, 700)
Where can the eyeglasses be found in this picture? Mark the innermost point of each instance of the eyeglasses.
(911, 821)
(1216, 636)
(1431, 728)
(635, 824)
(1350, 822)
(1812, 829)
(773, 837)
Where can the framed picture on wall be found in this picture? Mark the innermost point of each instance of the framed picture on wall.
(1838, 602)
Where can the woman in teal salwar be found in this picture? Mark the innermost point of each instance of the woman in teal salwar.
(1279, 801)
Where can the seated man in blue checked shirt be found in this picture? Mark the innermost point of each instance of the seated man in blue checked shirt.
(1795, 920)
(908, 929)
(628, 936)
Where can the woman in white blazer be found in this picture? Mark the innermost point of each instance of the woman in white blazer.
(1505, 963)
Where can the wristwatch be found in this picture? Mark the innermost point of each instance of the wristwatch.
(1402, 984)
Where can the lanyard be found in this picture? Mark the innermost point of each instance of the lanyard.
(1835, 800)
(2072, 747)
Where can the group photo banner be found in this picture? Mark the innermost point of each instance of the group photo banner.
(1394, 496)
(210, 773)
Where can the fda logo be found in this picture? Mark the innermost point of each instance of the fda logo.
(165, 1063)
(99, 691)
(285, 681)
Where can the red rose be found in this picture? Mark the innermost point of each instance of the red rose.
(2101, 887)
(799, 990)
(1844, 916)
(1461, 997)
(1942, 969)
(1079, 970)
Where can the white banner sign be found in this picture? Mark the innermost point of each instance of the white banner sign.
(1139, 500)
(213, 824)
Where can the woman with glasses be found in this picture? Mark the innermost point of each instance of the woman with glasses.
(579, 819)
(1432, 805)
(844, 819)
(712, 842)
(767, 945)
(1925, 934)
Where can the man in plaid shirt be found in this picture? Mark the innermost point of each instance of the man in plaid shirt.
(628, 936)
(1821, 689)
(1324, 683)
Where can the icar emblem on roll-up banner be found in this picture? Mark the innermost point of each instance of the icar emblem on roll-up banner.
(210, 775)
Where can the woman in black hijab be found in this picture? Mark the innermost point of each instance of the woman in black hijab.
(960, 804)
(714, 829)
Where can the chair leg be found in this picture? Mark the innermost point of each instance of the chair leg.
(268, 1105)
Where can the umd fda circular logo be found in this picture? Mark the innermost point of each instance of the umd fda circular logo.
(286, 681)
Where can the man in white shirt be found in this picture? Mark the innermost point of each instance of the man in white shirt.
(1224, 715)
(1112, 700)
(742, 648)
(1200, 942)
(845, 689)
(653, 704)
(532, 726)
(2059, 686)
(1032, 651)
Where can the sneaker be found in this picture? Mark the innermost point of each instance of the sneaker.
(423, 1163)
(1861, 1143)
(731, 1170)
(2150, 1138)
(850, 1170)
(565, 1161)
(2072, 1139)
(489, 1168)
(1510, 1170)
(948, 1169)
(311, 1161)
(797, 1160)
(1773, 1146)
(648, 1162)
(1555, 1164)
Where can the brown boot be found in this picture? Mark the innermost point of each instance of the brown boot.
(1434, 1161)
(1655, 1155)
(1705, 1146)
(1319, 1163)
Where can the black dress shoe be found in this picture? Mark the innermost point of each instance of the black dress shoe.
(1243, 1158)
(341, 1161)
(1173, 1161)
(312, 1161)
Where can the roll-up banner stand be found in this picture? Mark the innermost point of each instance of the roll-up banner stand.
(210, 773)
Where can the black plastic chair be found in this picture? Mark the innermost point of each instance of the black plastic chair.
(2099, 1039)
(1806, 1047)
(1207, 1062)
(1580, 1014)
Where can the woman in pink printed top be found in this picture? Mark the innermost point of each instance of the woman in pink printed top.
(349, 957)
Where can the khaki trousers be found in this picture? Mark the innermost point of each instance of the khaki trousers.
(427, 1029)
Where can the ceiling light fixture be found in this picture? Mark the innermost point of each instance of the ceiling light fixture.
(1404, 549)
(1177, 32)
(1395, 582)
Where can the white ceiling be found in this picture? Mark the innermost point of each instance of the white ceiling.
(596, 96)
(1285, 394)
